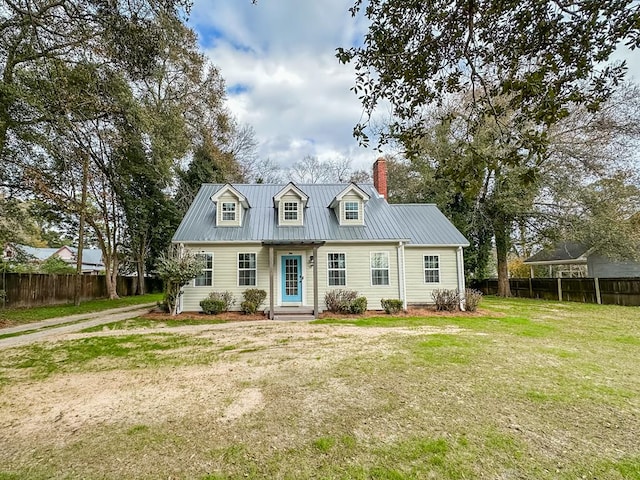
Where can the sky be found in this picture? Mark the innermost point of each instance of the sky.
(278, 60)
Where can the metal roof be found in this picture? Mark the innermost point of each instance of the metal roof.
(425, 224)
(565, 251)
(420, 224)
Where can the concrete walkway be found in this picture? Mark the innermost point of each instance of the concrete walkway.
(88, 320)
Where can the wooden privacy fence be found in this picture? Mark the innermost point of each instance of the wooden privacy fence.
(35, 289)
(608, 291)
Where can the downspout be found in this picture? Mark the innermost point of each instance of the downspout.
(461, 286)
(402, 284)
(181, 294)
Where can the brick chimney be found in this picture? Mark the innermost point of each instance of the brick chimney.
(380, 176)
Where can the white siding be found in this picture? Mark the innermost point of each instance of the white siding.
(225, 273)
(417, 290)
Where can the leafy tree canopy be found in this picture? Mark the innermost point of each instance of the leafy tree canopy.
(542, 56)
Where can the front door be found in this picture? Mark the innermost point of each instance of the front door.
(291, 279)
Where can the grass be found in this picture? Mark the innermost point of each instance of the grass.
(141, 322)
(16, 316)
(531, 390)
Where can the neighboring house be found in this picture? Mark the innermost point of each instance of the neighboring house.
(571, 259)
(297, 242)
(91, 258)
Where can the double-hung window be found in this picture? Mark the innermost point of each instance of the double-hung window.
(351, 210)
(291, 210)
(205, 279)
(431, 269)
(247, 270)
(337, 269)
(229, 211)
(379, 268)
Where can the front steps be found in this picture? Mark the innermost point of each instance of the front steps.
(293, 313)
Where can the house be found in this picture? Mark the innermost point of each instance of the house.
(91, 258)
(573, 259)
(298, 242)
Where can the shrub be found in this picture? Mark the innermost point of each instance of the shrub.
(472, 299)
(248, 307)
(446, 300)
(359, 305)
(253, 298)
(218, 302)
(340, 300)
(392, 305)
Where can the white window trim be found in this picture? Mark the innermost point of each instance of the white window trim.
(238, 269)
(234, 211)
(345, 269)
(285, 211)
(371, 269)
(357, 211)
(424, 270)
(205, 269)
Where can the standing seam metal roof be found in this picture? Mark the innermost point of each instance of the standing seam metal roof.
(418, 224)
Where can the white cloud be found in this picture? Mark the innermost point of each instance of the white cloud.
(278, 60)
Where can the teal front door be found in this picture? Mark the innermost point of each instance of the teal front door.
(291, 278)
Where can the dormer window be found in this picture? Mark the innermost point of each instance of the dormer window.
(231, 206)
(291, 211)
(290, 203)
(348, 205)
(229, 211)
(351, 210)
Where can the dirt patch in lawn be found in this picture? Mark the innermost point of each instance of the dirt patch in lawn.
(249, 355)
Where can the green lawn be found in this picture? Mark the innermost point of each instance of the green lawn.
(531, 390)
(16, 316)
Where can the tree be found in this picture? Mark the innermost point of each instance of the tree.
(37, 35)
(541, 56)
(573, 192)
(176, 269)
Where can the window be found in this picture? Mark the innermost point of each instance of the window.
(380, 268)
(337, 269)
(205, 279)
(247, 269)
(291, 210)
(431, 269)
(351, 210)
(228, 211)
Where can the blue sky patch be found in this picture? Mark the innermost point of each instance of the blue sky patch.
(238, 89)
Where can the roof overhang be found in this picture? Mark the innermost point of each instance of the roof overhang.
(571, 261)
(351, 188)
(234, 191)
(291, 187)
(288, 243)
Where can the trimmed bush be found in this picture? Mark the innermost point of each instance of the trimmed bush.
(248, 307)
(217, 302)
(340, 300)
(391, 305)
(212, 307)
(253, 298)
(359, 305)
(446, 300)
(472, 299)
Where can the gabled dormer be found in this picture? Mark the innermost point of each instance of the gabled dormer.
(230, 206)
(290, 203)
(349, 205)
